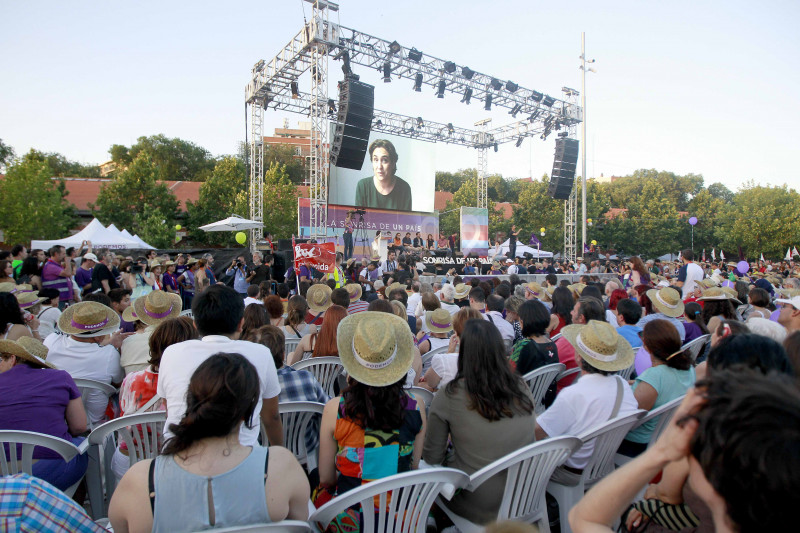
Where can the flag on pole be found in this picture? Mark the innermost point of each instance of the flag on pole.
(722, 255)
(794, 251)
(762, 257)
(788, 255)
(713, 254)
(534, 241)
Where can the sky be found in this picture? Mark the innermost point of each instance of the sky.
(683, 86)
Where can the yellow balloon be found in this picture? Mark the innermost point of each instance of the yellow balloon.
(241, 237)
(594, 242)
(177, 227)
(542, 230)
(589, 220)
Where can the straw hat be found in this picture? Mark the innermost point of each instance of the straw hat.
(27, 299)
(496, 264)
(375, 258)
(318, 297)
(88, 319)
(354, 290)
(599, 344)
(395, 285)
(667, 301)
(168, 263)
(28, 349)
(350, 261)
(717, 293)
(155, 263)
(462, 291)
(129, 314)
(547, 293)
(156, 307)
(439, 320)
(576, 288)
(8, 287)
(375, 348)
(23, 287)
(534, 289)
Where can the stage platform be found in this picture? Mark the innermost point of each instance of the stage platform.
(527, 278)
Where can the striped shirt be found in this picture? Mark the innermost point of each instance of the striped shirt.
(51, 279)
(357, 307)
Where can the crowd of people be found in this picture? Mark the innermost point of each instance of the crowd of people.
(729, 457)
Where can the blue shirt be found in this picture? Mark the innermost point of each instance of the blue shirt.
(302, 386)
(660, 316)
(240, 283)
(631, 334)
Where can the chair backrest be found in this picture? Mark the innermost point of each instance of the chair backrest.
(296, 418)
(694, 347)
(607, 437)
(187, 312)
(288, 526)
(403, 500)
(93, 388)
(425, 394)
(290, 346)
(539, 381)
(324, 369)
(141, 433)
(627, 373)
(566, 375)
(14, 460)
(664, 414)
(427, 357)
(527, 472)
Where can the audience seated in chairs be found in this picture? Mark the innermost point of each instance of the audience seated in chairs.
(322, 344)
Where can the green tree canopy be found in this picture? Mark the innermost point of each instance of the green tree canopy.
(174, 158)
(217, 200)
(280, 203)
(34, 204)
(467, 196)
(6, 155)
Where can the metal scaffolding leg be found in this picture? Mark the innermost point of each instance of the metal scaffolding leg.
(256, 172)
(570, 211)
(320, 148)
(483, 156)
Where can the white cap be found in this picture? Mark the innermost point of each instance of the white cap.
(794, 302)
(91, 257)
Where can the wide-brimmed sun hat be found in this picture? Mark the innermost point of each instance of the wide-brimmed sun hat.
(375, 258)
(354, 290)
(718, 293)
(439, 320)
(576, 288)
(28, 349)
(88, 319)
(129, 314)
(156, 307)
(534, 289)
(8, 286)
(375, 348)
(547, 293)
(599, 344)
(462, 291)
(395, 285)
(318, 297)
(27, 299)
(667, 301)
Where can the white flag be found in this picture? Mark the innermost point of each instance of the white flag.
(679, 256)
(713, 254)
(762, 258)
(722, 255)
(794, 251)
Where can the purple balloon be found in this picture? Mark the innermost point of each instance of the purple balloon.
(743, 267)
(693, 221)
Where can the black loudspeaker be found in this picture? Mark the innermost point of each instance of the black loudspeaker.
(564, 162)
(282, 260)
(285, 245)
(353, 124)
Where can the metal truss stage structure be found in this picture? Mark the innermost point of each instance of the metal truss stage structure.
(273, 85)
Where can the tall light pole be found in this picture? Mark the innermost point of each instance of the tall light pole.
(583, 68)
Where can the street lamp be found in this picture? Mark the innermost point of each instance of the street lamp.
(584, 70)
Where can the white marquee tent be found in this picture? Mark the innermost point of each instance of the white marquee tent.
(100, 237)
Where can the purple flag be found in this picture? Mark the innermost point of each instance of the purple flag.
(586, 248)
(534, 240)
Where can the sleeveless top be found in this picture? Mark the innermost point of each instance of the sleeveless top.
(141, 289)
(182, 499)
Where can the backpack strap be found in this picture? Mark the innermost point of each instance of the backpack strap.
(618, 401)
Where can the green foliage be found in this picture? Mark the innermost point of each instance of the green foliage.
(537, 210)
(62, 167)
(135, 200)
(174, 159)
(217, 200)
(467, 196)
(280, 203)
(452, 181)
(33, 205)
(6, 156)
(718, 190)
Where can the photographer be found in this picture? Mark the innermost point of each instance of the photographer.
(238, 270)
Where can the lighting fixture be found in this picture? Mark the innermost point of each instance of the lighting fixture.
(295, 91)
(420, 123)
(440, 90)
(450, 128)
(549, 100)
(488, 105)
(563, 134)
(496, 84)
(331, 106)
(511, 86)
(536, 96)
(467, 96)
(415, 55)
(387, 72)
(449, 67)
(467, 72)
(495, 147)
(514, 110)
(395, 47)
(519, 142)
(534, 115)
(418, 82)
(378, 123)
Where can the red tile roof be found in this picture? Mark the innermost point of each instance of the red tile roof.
(83, 191)
(615, 212)
(505, 208)
(440, 199)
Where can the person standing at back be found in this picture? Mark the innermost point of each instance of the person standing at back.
(689, 274)
(218, 314)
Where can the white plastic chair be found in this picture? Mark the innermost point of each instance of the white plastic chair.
(425, 394)
(403, 500)
(664, 413)
(696, 346)
(296, 418)
(14, 463)
(288, 526)
(427, 357)
(290, 346)
(187, 312)
(527, 471)
(92, 387)
(141, 433)
(607, 437)
(627, 373)
(324, 369)
(566, 374)
(539, 381)
(557, 336)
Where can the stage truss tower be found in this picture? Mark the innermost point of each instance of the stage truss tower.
(571, 205)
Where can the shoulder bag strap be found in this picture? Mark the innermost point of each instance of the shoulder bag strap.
(618, 401)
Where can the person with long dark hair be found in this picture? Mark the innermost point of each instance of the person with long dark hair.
(375, 428)
(384, 189)
(12, 321)
(205, 478)
(563, 303)
(695, 326)
(535, 349)
(486, 411)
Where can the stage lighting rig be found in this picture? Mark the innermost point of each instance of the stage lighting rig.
(394, 47)
(511, 87)
(548, 100)
(535, 114)
(418, 82)
(519, 142)
(331, 106)
(415, 55)
(514, 110)
(449, 67)
(295, 90)
(496, 84)
(450, 128)
(488, 105)
(420, 123)
(440, 89)
(467, 72)
(536, 96)
(387, 72)
(495, 147)
(467, 96)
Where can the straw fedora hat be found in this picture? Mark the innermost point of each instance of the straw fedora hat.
(395, 285)
(168, 263)
(318, 297)
(547, 293)
(88, 319)
(375, 258)
(534, 289)
(7, 286)
(439, 320)
(28, 349)
(375, 348)
(599, 344)
(718, 293)
(27, 299)
(462, 291)
(129, 314)
(156, 307)
(667, 301)
(155, 263)
(354, 290)
(576, 288)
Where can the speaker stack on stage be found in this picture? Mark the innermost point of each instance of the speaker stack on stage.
(353, 124)
(564, 162)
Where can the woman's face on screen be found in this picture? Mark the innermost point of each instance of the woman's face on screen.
(382, 164)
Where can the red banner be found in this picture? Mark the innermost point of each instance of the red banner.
(321, 256)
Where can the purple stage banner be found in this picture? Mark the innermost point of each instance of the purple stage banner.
(374, 220)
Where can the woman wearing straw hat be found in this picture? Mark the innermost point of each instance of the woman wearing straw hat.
(55, 408)
(375, 428)
(667, 305)
(169, 279)
(13, 324)
(151, 310)
(438, 324)
(484, 419)
(717, 306)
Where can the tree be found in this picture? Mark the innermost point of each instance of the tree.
(217, 200)
(174, 159)
(34, 204)
(706, 207)
(718, 190)
(467, 196)
(60, 166)
(6, 155)
(137, 201)
(536, 210)
(452, 181)
(280, 203)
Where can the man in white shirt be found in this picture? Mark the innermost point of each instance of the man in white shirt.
(512, 267)
(448, 293)
(414, 299)
(252, 292)
(494, 314)
(598, 396)
(581, 266)
(689, 274)
(218, 313)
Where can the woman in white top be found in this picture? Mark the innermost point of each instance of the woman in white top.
(444, 366)
(296, 327)
(48, 312)
(439, 324)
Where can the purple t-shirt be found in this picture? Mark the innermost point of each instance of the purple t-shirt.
(36, 399)
(83, 277)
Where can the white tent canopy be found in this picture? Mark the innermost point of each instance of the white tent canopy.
(100, 237)
(522, 249)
